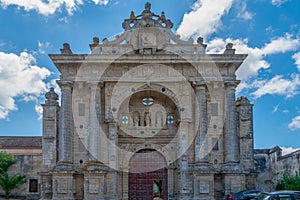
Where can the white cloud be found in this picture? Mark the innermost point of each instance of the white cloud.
(242, 11)
(277, 86)
(287, 150)
(251, 65)
(256, 55)
(19, 77)
(42, 7)
(281, 45)
(278, 2)
(296, 57)
(295, 124)
(204, 19)
(48, 7)
(100, 2)
(275, 109)
(43, 46)
(39, 110)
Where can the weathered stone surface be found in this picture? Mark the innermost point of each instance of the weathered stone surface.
(146, 91)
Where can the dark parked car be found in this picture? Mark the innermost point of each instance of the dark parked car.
(279, 195)
(244, 195)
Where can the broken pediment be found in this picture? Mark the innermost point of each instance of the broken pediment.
(147, 33)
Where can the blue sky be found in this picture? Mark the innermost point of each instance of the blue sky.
(267, 30)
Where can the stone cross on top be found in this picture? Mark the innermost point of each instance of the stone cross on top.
(147, 19)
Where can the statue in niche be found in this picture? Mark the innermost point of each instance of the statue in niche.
(148, 119)
(159, 119)
(136, 119)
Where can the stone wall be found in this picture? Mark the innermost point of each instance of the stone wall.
(270, 165)
(30, 166)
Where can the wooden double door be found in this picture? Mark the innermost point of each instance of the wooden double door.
(148, 176)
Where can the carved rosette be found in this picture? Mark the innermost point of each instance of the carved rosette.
(244, 108)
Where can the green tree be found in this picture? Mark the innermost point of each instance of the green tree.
(289, 182)
(6, 160)
(8, 183)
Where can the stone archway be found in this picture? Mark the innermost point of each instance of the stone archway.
(148, 176)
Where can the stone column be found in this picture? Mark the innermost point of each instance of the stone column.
(66, 126)
(113, 159)
(95, 122)
(201, 147)
(245, 116)
(183, 160)
(231, 141)
(50, 129)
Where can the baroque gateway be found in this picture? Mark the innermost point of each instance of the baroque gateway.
(146, 116)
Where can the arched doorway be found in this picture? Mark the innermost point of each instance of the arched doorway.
(148, 176)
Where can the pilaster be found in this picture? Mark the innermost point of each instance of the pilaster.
(113, 160)
(231, 141)
(95, 121)
(66, 126)
(184, 189)
(201, 146)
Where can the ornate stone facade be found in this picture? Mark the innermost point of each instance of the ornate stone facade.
(147, 116)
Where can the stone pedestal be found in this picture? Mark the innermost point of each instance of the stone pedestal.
(234, 182)
(203, 181)
(94, 185)
(203, 186)
(234, 178)
(63, 185)
(46, 186)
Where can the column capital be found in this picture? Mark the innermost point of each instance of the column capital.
(111, 122)
(199, 84)
(93, 84)
(65, 84)
(231, 84)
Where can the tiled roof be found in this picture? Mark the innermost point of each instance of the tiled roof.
(20, 142)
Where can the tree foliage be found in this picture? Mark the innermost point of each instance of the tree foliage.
(289, 182)
(8, 183)
(6, 160)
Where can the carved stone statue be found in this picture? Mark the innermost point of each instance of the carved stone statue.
(159, 120)
(148, 119)
(136, 120)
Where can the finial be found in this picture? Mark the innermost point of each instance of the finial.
(163, 16)
(229, 46)
(95, 40)
(51, 97)
(66, 49)
(229, 49)
(132, 16)
(200, 40)
(147, 6)
(243, 101)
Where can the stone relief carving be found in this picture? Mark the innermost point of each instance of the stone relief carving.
(93, 186)
(62, 186)
(147, 19)
(245, 113)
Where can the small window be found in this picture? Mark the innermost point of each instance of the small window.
(170, 119)
(147, 101)
(33, 185)
(125, 119)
